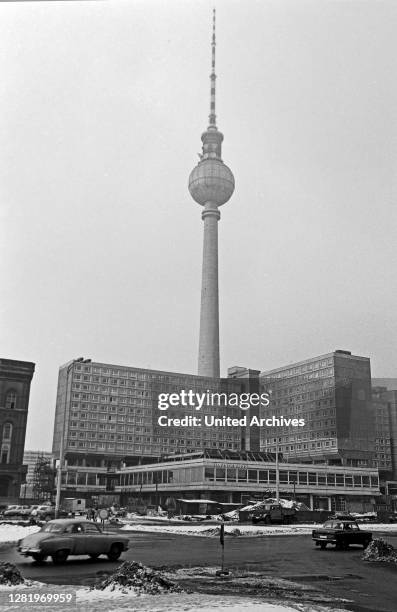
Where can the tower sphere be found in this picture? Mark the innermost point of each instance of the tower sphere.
(211, 181)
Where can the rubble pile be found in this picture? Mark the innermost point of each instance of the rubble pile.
(284, 503)
(10, 574)
(215, 531)
(135, 577)
(379, 550)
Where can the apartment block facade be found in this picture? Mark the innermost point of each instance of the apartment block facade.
(109, 415)
(332, 393)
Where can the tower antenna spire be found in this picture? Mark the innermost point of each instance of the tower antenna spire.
(212, 116)
(211, 184)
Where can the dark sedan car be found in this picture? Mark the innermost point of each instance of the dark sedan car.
(341, 533)
(62, 537)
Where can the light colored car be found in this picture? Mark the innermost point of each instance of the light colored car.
(8, 508)
(63, 537)
(15, 511)
(46, 512)
(27, 511)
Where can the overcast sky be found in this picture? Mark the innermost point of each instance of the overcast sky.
(102, 108)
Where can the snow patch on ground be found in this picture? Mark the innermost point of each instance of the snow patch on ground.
(27, 584)
(185, 602)
(13, 533)
(113, 601)
(202, 529)
(205, 530)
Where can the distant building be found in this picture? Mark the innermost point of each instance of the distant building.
(31, 458)
(332, 393)
(389, 383)
(15, 379)
(387, 392)
(382, 457)
(391, 397)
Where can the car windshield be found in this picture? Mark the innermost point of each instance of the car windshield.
(53, 527)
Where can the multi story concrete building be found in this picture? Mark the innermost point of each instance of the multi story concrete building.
(109, 416)
(15, 379)
(332, 393)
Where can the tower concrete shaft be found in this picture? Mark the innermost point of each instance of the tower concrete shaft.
(211, 184)
(208, 360)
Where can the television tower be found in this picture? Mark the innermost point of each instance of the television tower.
(211, 184)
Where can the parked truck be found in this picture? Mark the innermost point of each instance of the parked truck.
(74, 505)
(273, 513)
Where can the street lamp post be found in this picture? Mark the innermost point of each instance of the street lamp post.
(277, 474)
(62, 441)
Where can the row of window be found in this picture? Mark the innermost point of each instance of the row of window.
(290, 477)
(300, 369)
(217, 474)
(185, 382)
(313, 445)
(153, 449)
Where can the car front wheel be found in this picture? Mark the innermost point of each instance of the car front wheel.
(60, 557)
(115, 552)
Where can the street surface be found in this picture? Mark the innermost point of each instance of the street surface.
(372, 586)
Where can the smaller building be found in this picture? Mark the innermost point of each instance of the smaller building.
(227, 477)
(15, 379)
(36, 461)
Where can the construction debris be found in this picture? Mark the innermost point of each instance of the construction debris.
(215, 531)
(139, 579)
(10, 574)
(379, 550)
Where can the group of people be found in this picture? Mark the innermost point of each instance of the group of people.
(92, 514)
(95, 514)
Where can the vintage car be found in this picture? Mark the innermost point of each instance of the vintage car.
(15, 511)
(63, 537)
(341, 533)
(46, 512)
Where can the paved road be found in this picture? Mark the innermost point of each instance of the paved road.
(373, 587)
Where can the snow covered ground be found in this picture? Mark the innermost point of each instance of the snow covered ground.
(13, 533)
(187, 602)
(203, 529)
(10, 534)
(112, 601)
